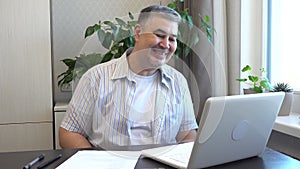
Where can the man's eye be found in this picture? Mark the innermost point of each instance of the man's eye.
(172, 39)
(159, 35)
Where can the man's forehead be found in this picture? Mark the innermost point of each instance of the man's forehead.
(161, 24)
(161, 16)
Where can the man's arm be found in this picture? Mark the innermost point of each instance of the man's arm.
(186, 136)
(69, 139)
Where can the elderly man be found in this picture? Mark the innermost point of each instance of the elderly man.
(136, 99)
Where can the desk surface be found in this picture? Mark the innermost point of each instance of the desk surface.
(270, 159)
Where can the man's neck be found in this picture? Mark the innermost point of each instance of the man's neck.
(136, 67)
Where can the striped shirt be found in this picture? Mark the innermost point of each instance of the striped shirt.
(102, 102)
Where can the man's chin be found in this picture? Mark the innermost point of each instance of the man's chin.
(156, 64)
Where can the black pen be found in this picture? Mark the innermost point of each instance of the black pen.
(39, 158)
(45, 164)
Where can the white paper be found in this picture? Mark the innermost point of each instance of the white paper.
(92, 159)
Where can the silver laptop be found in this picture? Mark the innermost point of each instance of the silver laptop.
(231, 128)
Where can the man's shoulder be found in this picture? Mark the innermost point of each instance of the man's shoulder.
(172, 73)
(106, 66)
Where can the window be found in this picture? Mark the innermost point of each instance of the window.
(284, 42)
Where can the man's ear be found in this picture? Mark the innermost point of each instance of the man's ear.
(137, 32)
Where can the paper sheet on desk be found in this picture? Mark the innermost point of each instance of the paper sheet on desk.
(92, 159)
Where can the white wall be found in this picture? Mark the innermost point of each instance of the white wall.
(296, 103)
(25, 71)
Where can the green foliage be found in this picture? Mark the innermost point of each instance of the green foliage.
(118, 36)
(187, 36)
(78, 66)
(282, 87)
(257, 83)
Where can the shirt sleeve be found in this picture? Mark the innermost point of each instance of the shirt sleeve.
(80, 109)
(189, 120)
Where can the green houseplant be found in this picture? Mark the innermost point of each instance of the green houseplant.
(288, 97)
(117, 36)
(282, 87)
(258, 84)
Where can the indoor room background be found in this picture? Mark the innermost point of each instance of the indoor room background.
(36, 35)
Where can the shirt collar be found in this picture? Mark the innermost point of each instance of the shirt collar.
(122, 68)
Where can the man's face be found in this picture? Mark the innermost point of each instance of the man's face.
(156, 41)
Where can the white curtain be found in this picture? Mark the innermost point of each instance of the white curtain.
(216, 66)
(253, 30)
(240, 39)
(227, 22)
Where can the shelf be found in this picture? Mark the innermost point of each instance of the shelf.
(288, 124)
(60, 107)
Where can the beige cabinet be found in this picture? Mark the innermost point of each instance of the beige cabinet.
(25, 75)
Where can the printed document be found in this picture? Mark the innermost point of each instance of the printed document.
(92, 159)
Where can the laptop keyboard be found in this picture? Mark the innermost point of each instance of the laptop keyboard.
(180, 153)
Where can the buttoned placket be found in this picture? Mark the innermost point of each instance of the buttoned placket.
(129, 106)
(159, 114)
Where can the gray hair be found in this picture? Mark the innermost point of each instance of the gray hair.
(158, 10)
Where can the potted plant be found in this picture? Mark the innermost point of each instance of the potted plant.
(288, 98)
(117, 36)
(257, 84)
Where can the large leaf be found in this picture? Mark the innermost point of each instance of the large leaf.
(195, 39)
(246, 68)
(107, 57)
(89, 31)
(172, 6)
(116, 34)
(122, 34)
(130, 15)
(258, 89)
(67, 77)
(129, 42)
(253, 79)
(131, 24)
(242, 80)
(186, 51)
(111, 24)
(101, 35)
(207, 19)
(120, 22)
(80, 71)
(265, 84)
(69, 62)
(62, 74)
(108, 38)
(190, 21)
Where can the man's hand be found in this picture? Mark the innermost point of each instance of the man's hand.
(186, 136)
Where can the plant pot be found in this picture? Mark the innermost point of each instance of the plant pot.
(249, 91)
(286, 105)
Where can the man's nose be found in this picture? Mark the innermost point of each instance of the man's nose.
(165, 43)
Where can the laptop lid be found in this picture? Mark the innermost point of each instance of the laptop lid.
(234, 127)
